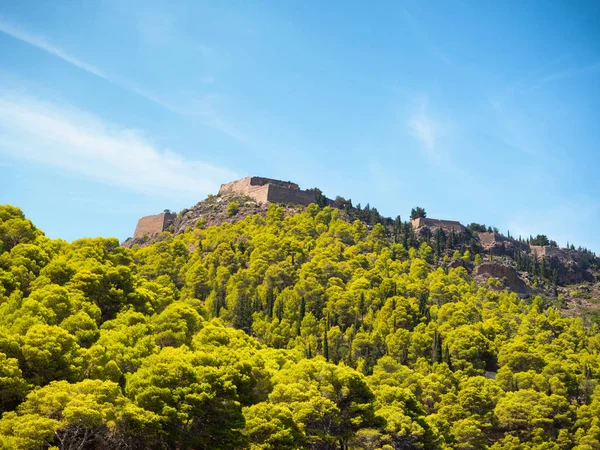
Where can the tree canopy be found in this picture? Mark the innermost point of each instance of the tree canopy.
(417, 212)
(280, 332)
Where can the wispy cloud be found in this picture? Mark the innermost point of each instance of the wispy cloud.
(206, 112)
(427, 129)
(558, 75)
(83, 144)
(41, 43)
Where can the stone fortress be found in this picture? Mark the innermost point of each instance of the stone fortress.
(446, 225)
(260, 189)
(269, 190)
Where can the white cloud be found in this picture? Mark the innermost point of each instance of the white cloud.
(424, 129)
(206, 112)
(591, 68)
(84, 144)
(427, 129)
(41, 43)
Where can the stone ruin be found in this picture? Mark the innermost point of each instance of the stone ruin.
(500, 245)
(446, 225)
(265, 190)
(262, 190)
(152, 225)
(546, 251)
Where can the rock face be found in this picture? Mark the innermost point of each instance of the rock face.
(572, 265)
(214, 211)
(507, 274)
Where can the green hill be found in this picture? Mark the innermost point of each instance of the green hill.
(287, 329)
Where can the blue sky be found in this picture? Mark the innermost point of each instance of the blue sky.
(477, 111)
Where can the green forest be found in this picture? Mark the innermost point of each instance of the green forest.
(280, 332)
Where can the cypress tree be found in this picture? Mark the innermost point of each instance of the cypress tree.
(436, 348)
(325, 342)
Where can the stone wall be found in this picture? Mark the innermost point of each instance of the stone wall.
(239, 186)
(151, 225)
(268, 190)
(433, 223)
(259, 193)
(500, 245)
(545, 251)
(281, 194)
(261, 181)
(488, 239)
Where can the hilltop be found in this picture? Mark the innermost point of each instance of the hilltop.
(527, 267)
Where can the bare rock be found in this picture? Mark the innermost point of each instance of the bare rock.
(506, 273)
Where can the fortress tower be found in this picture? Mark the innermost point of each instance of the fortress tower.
(151, 225)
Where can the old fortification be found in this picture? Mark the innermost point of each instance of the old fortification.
(268, 190)
(447, 225)
(500, 245)
(546, 251)
(151, 225)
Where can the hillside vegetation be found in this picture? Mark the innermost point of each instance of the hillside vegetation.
(281, 331)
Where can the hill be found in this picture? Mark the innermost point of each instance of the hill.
(528, 267)
(254, 325)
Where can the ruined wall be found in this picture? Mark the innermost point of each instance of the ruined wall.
(452, 224)
(259, 193)
(281, 194)
(266, 189)
(248, 185)
(538, 250)
(239, 186)
(542, 251)
(150, 225)
(261, 181)
(500, 245)
(488, 239)
(446, 224)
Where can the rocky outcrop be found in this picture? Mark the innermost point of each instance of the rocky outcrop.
(507, 274)
(572, 265)
(213, 210)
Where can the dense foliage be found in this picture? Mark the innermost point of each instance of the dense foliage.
(280, 332)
